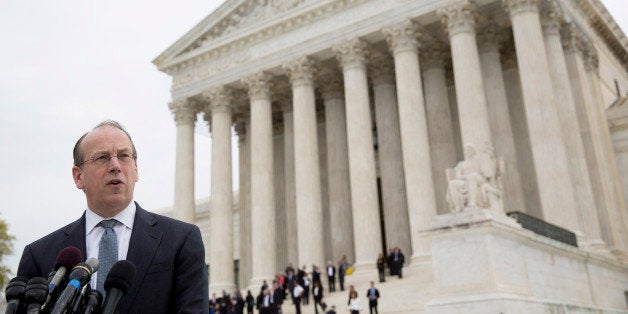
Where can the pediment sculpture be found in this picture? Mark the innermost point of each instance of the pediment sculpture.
(475, 182)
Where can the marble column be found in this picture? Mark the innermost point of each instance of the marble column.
(262, 189)
(363, 180)
(281, 234)
(243, 195)
(415, 145)
(221, 275)
(599, 111)
(548, 148)
(290, 191)
(397, 228)
(439, 119)
(568, 116)
(520, 132)
(337, 168)
(184, 112)
(499, 116)
(459, 18)
(306, 163)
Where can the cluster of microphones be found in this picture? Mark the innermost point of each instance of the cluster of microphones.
(67, 289)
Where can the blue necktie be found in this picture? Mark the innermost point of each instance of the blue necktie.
(107, 253)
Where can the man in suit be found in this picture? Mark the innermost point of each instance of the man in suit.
(372, 294)
(168, 254)
(331, 276)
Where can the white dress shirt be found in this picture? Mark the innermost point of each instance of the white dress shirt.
(123, 230)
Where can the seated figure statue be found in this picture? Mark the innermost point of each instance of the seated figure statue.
(476, 181)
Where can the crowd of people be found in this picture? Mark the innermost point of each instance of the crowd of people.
(297, 285)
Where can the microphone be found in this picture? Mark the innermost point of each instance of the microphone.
(79, 276)
(15, 293)
(117, 284)
(78, 301)
(66, 259)
(94, 300)
(35, 294)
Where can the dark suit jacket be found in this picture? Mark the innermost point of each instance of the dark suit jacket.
(368, 295)
(169, 256)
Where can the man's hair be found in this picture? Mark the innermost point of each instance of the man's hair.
(77, 153)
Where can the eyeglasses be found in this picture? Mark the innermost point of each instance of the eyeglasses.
(104, 159)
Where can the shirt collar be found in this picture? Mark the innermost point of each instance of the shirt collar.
(125, 217)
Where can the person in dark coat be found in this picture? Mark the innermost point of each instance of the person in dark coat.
(372, 294)
(381, 267)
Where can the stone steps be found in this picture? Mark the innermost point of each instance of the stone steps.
(399, 296)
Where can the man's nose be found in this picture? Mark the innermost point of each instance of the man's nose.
(114, 164)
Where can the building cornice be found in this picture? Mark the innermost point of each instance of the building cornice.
(606, 27)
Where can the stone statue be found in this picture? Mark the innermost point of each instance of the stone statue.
(476, 181)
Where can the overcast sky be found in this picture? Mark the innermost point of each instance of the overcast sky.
(70, 64)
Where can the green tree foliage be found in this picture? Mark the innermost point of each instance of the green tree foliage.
(6, 248)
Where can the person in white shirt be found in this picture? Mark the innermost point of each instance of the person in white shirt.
(354, 303)
(297, 293)
(331, 276)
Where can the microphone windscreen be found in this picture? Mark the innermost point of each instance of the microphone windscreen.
(93, 263)
(15, 288)
(36, 290)
(69, 257)
(120, 276)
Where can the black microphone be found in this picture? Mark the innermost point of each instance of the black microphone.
(78, 301)
(35, 294)
(15, 294)
(79, 276)
(117, 284)
(66, 259)
(94, 300)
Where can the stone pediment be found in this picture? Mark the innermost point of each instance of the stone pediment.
(231, 18)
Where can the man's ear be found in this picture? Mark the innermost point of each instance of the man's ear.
(77, 175)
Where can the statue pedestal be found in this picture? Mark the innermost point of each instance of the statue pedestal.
(484, 262)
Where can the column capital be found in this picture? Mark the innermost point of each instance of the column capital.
(240, 128)
(489, 38)
(184, 111)
(573, 39)
(591, 60)
(331, 85)
(515, 7)
(382, 70)
(459, 17)
(433, 54)
(551, 17)
(301, 71)
(258, 85)
(220, 99)
(352, 53)
(402, 36)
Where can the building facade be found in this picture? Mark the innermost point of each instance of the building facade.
(349, 113)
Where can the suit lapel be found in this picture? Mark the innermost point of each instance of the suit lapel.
(75, 235)
(144, 242)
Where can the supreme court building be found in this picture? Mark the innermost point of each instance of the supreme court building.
(348, 114)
